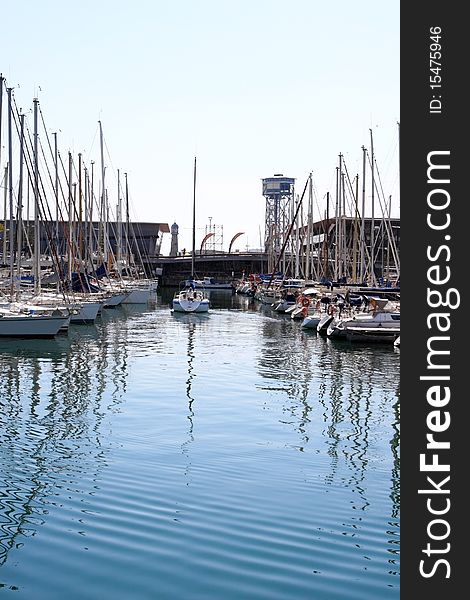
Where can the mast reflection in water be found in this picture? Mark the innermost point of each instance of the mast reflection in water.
(198, 456)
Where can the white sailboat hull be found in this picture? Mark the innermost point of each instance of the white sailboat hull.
(87, 313)
(191, 306)
(380, 324)
(32, 326)
(190, 301)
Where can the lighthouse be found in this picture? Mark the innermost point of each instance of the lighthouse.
(174, 240)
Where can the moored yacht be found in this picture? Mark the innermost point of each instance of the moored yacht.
(31, 325)
(382, 324)
(190, 301)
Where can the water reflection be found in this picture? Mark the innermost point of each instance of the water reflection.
(191, 328)
(54, 398)
(345, 393)
(339, 391)
(342, 401)
(244, 447)
(190, 324)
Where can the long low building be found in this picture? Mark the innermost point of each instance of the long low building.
(142, 239)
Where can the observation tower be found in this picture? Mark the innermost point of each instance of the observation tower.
(278, 192)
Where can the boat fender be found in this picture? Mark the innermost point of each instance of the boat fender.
(304, 311)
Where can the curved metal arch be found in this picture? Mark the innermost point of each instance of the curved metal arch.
(205, 240)
(237, 235)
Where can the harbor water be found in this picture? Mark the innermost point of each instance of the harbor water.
(226, 455)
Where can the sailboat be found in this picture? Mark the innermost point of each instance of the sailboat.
(191, 299)
(23, 319)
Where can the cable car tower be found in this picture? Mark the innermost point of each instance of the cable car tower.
(279, 194)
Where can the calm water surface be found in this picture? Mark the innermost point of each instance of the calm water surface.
(220, 456)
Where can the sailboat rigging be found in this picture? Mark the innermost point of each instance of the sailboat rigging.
(190, 299)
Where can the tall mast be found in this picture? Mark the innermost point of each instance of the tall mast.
(194, 221)
(91, 234)
(10, 191)
(108, 254)
(70, 236)
(103, 225)
(372, 224)
(341, 236)
(356, 212)
(119, 224)
(5, 199)
(37, 233)
(86, 201)
(19, 219)
(362, 240)
(336, 226)
(326, 241)
(389, 235)
(308, 250)
(343, 220)
(56, 191)
(81, 249)
(297, 244)
(127, 225)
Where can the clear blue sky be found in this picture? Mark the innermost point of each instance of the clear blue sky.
(251, 87)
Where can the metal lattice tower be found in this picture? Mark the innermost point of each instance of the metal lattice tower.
(279, 194)
(213, 238)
